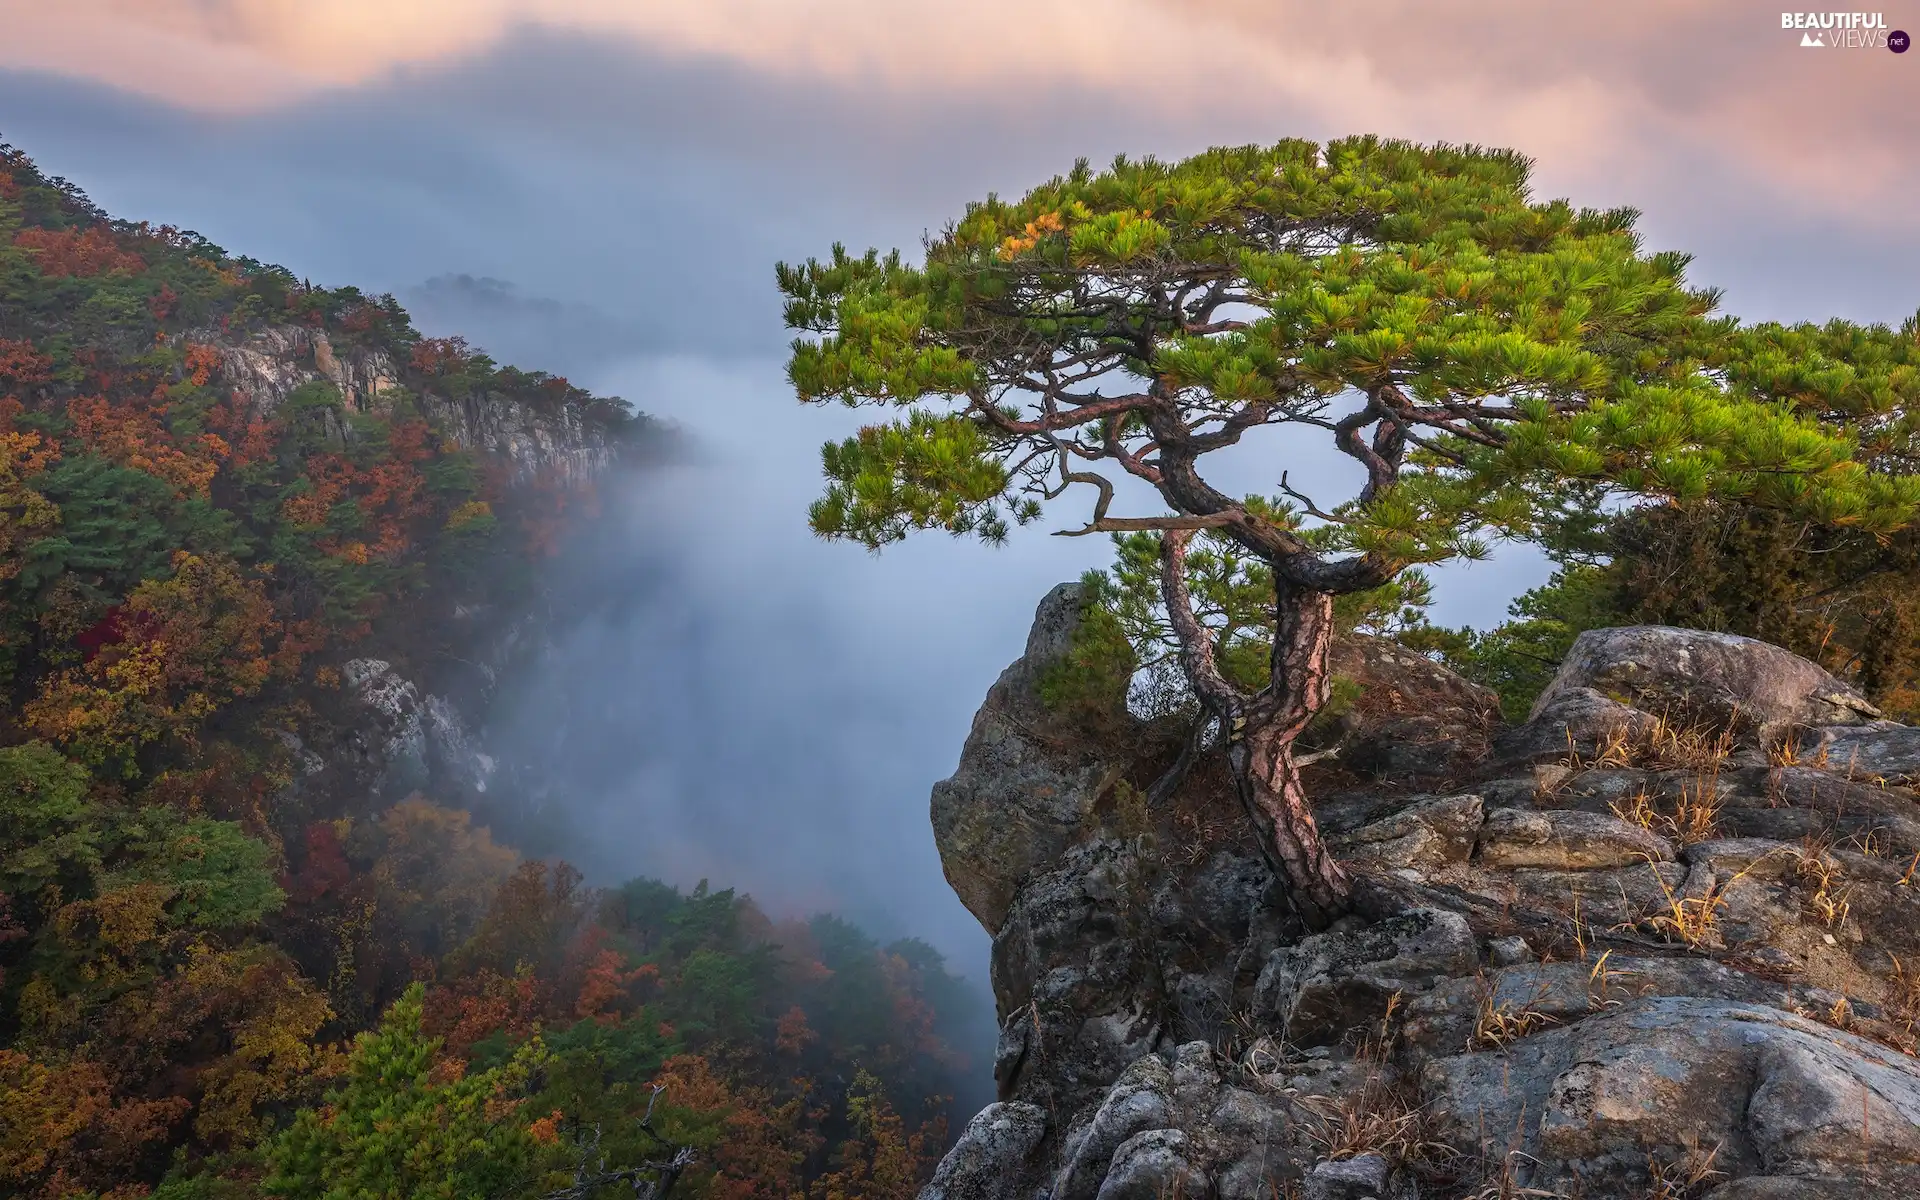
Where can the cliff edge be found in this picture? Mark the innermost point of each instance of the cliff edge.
(1660, 940)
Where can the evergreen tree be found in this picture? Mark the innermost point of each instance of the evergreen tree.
(1410, 307)
(1839, 594)
(406, 1125)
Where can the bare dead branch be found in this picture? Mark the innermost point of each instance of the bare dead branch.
(651, 1180)
(1307, 504)
(1149, 524)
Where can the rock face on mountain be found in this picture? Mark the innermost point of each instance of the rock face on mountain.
(418, 724)
(1662, 940)
(558, 445)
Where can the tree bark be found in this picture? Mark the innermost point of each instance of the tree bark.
(1260, 730)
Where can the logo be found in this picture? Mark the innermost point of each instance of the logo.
(1844, 31)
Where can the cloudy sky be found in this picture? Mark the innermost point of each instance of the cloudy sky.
(616, 177)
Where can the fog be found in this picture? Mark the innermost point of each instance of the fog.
(753, 705)
(747, 703)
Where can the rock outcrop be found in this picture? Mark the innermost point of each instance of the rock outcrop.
(556, 443)
(1027, 781)
(412, 711)
(1663, 939)
(1715, 678)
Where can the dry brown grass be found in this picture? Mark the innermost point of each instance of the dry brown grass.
(1874, 843)
(1691, 921)
(1903, 1002)
(1694, 816)
(1601, 982)
(1504, 1187)
(1818, 873)
(1786, 752)
(1906, 879)
(1614, 749)
(1196, 824)
(1687, 748)
(1840, 1015)
(1497, 1025)
(1665, 745)
(1383, 1115)
(1377, 1118)
(1686, 1176)
(1639, 810)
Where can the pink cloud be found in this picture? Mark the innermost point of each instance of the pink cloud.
(1603, 96)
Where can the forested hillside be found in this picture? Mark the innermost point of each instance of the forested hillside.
(230, 966)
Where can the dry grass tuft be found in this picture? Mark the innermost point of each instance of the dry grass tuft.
(1687, 748)
(1874, 843)
(1383, 1116)
(1840, 1016)
(1906, 879)
(1684, 1177)
(1694, 817)
(1819, 873)
(1497, 1025)
(1691, 921)
(1602, 980)
(1664, 745)
(1903, 1003)
(1377, 1118)
(1614, 749)
(1787, 752)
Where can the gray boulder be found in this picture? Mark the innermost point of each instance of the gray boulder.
(1425, 835)
(1571, 723)
(1415, 718)
(1027, 779)
(1072, 971)
(1137, 1103)
(1718, 679)
(1154, 1165)
(1331, 984)
(1591, 1105)
(1566, 840)
(1363, 1177)
(1880, 750)
(993, 1160)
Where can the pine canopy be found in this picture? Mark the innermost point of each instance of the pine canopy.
(1411, 307)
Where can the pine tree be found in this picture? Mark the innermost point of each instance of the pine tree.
(1410, 307)
(408, 1124)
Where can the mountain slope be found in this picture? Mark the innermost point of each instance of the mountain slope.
(264, 553)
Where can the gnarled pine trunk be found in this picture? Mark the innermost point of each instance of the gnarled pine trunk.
(1260, 730)
(1260, 752)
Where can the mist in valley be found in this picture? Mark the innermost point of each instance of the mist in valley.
(730, 698)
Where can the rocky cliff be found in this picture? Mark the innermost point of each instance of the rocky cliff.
(415, 706)
(1659, 940)
(559, 444)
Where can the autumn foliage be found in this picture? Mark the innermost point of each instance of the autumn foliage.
(218, 983)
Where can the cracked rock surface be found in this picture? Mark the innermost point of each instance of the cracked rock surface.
(1663, 939)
